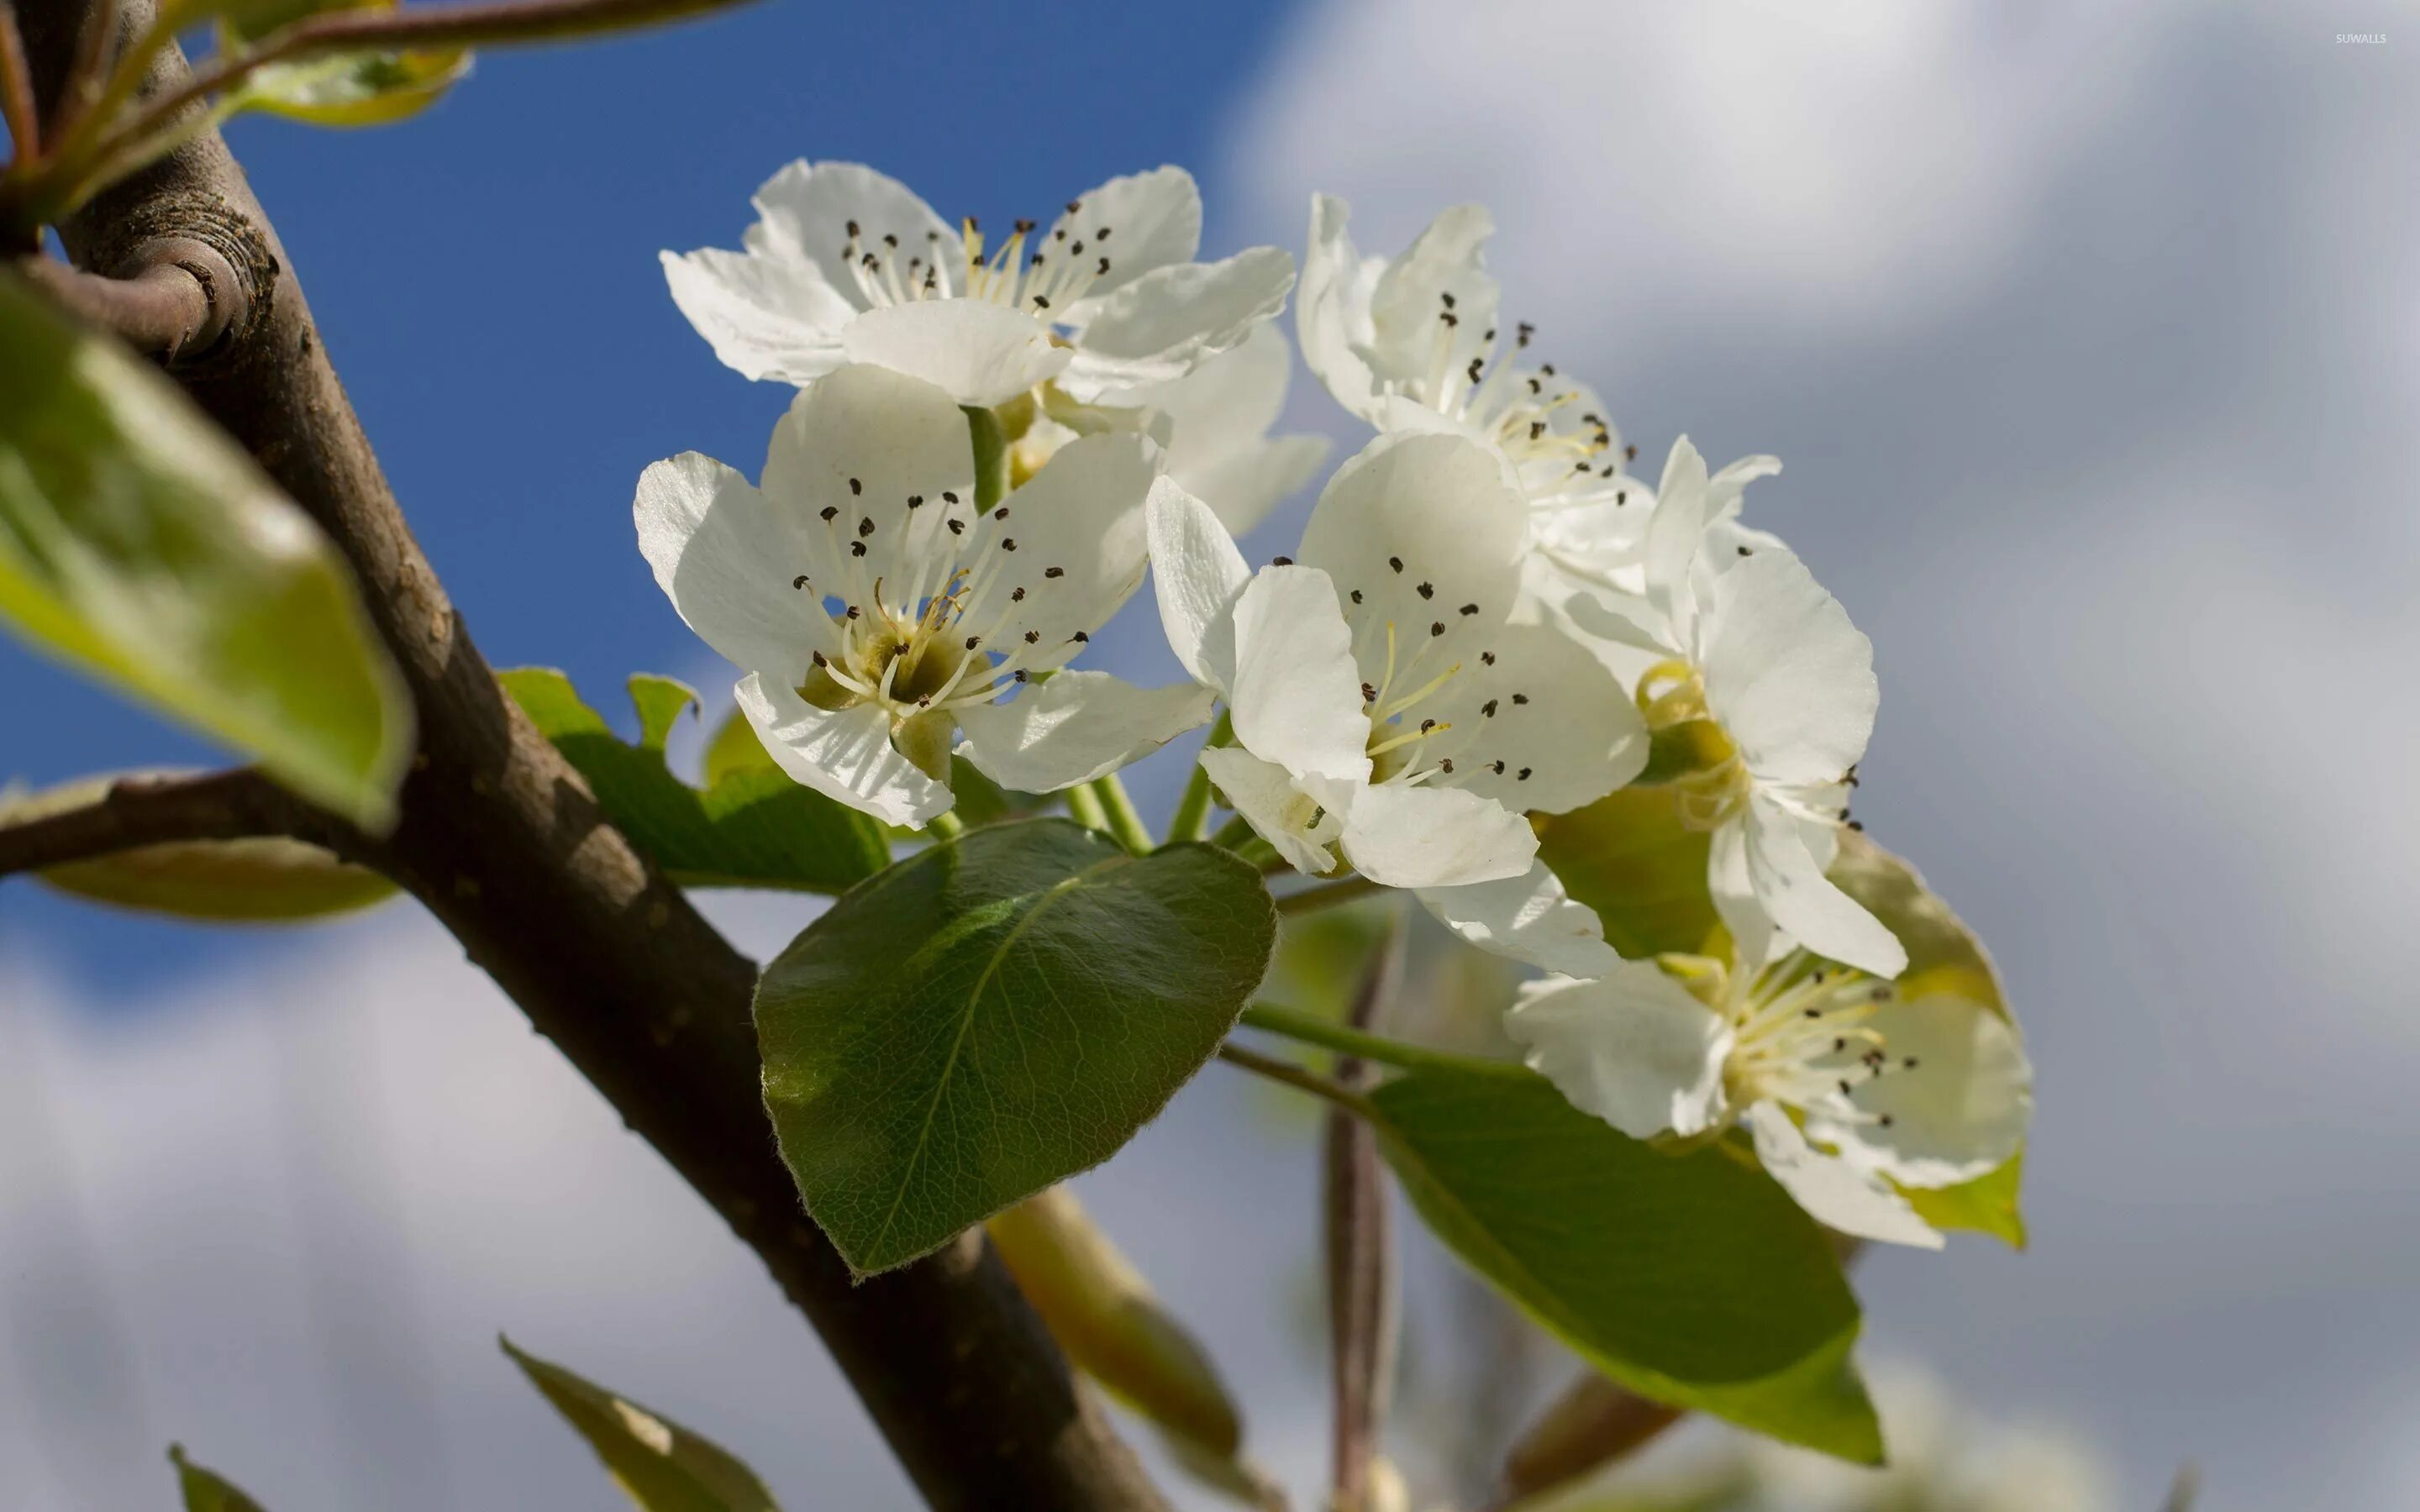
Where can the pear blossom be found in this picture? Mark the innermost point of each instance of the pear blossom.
(879, 614)
(1849, 1092)
(1742, 645)
(847, 265)
(1212, 424)
(1389, 713)
(1417, 343)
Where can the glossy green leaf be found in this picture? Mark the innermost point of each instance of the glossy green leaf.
(257, 881)
(661, 1466)
(1692, 1278)
(752, 828)
(206, 1490)
(993, 1014)
(1629, 856)
(371, 89)
(140, 544)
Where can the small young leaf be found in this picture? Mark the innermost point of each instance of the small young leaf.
(257, 881)
(371, 89)
(994, 1014)
(140, 544)
(206, 1490)
(1103, 1312)
(1691, 1279)
(1629, 856)
(661, 1466)
(750, 827)
(1986, 1205)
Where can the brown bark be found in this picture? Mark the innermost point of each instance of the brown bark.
(502, 840)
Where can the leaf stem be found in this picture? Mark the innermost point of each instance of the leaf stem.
(1298, 1077)
(1084, 807)
(1325, 895)
(1124, 825)
(1309, 1029)
(1193, 811)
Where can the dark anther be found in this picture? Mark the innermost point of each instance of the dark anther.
(1537, 428)
(1427, 590)
(1488, 708)
(1280, 562)
(958, 527)
(949, 498)
(915, 500)
(852, 228)
(1008, 543)
(1498, 766)
(1357, 596)
(1105, 267)
(1032, 638)
(1054, 572)
(1487, 656)
(1396, 562)
(1445, 766)
(1080, 638)
(1018, 597)
(855, 487)
(1469, 609)
(1021, 674)
(1523, 775)
(1447, 297)
(852, 611)
(820, 659)
(974, 640)
(1743, 552)
(1369, 693)
(799, 581)
(1427, 725)
(865, 525)
(1436, 628)
(857, 548)
(829, 509)
(1001, 513)
(1520, 698)
(1024, 227)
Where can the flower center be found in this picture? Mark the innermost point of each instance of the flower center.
(1801, 1036)
(1062, 269)
(1714, 789)
(1526, 411)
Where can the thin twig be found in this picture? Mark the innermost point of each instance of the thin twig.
(514, 23)
(1361, 1281)
(1309, 1029)
(180, 296)
(17, 110)
(137, 811)
(1325, 895)
(1299, 1077)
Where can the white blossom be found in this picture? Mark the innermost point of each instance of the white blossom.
(1387, 705)
(845, 264)
(1849, 1092)
(1740, 640)
(879, 614)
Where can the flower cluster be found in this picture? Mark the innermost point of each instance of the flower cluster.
(1489, 620)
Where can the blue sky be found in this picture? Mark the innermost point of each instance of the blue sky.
(486, 280)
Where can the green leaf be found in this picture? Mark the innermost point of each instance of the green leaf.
(661, 1466)
(1629, 856)
(206, 1490)
(1691, 1279)
(1986, 1205)
(752, 828)
(140, 544)
(257, 881)
(353, 88)
(993, 1014)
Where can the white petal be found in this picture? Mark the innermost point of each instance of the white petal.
(1419, 512)
(1164, 324)
(1416, 837)
(1139, 221)
(1332, 309)
(1559, 723)
(1790, 885)
(1530, 919)
(1674, 535)
(1408, 311)
(1279, 811)
(1220, 413)
(805, 211)
(843, 754)
(725, 558)
(860, 443)
(1733, 883)
(768, 314)
(1633, 1048)
(1834, 1193)
(1081, 547)
(1245, 484)
(1295, 696)
(1197, 574)
(1791, 679)
(1076, 727)
(982, 354)
(1961, 1107)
